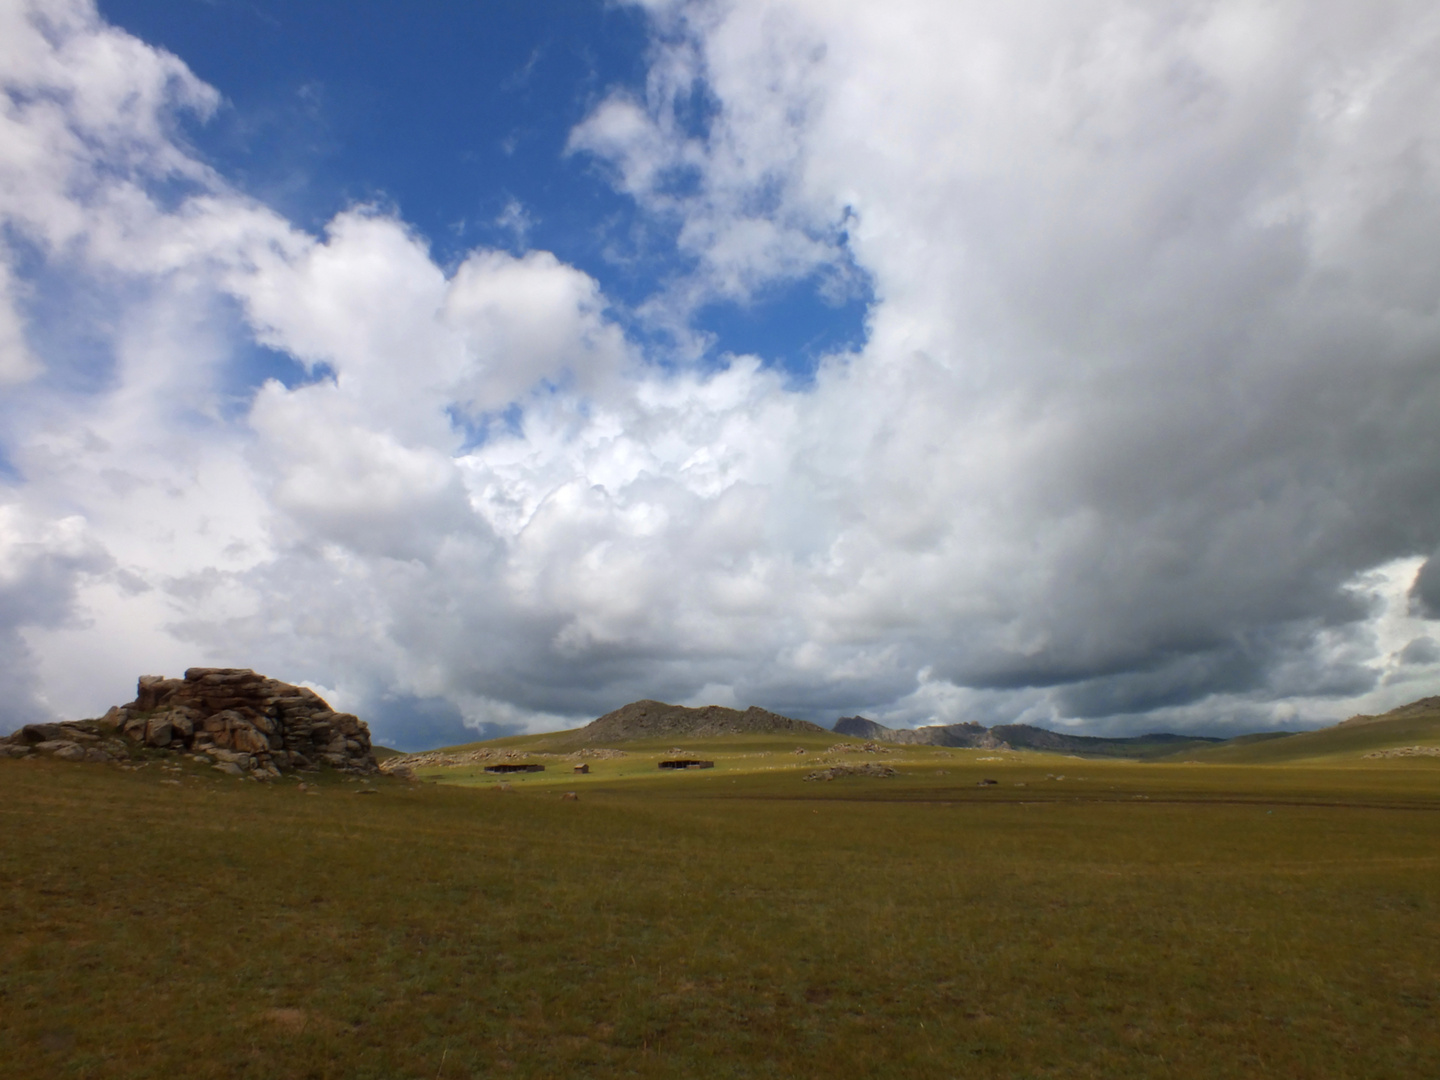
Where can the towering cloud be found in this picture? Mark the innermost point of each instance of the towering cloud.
(1141, 434)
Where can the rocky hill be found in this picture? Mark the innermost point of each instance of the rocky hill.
(975, 735)
(657, 720)
(240, 722)
(1021, 737)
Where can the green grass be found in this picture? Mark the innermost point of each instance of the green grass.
(1130, 920)
(1341, 744)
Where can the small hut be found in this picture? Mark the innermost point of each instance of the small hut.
(582, 768)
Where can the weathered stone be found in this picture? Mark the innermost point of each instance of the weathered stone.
(66, 751)
(182, 727)
(114, 718)
(229, 768)
(249, 740)
(158, 731)
(215, 676)
(11, 749)
(152, 691)
(347, 723)
(41, 733)
(95, 754)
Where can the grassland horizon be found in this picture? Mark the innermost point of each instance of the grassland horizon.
(1077, 918)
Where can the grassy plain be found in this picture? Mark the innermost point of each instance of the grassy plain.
(1128, 920)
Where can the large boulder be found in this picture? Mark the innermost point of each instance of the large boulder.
(238, 718)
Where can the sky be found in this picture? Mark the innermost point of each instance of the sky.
(487, 366)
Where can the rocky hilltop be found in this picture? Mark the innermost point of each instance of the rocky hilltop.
(657, 720)
(235, 719)
(973, 735)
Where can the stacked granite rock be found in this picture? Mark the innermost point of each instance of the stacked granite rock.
(70, 740)
(240, 721)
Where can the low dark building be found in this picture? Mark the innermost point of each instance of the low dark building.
(687, 763)
(582, 768)
(514, 768)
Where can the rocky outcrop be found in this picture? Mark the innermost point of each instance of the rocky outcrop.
(1405, 751)
(656, 720)
(238, 720)
(837, 771)
(81, 740)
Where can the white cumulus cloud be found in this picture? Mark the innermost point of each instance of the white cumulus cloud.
(1141, 433)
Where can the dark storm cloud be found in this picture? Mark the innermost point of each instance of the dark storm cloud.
(1422, 650)
(1425, 593)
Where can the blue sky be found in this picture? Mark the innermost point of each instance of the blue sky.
(488, 366)
(448, 112)
(458, 116)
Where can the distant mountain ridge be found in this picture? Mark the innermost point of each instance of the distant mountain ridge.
(971, 735)
(1021, 737)
(656, 720)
